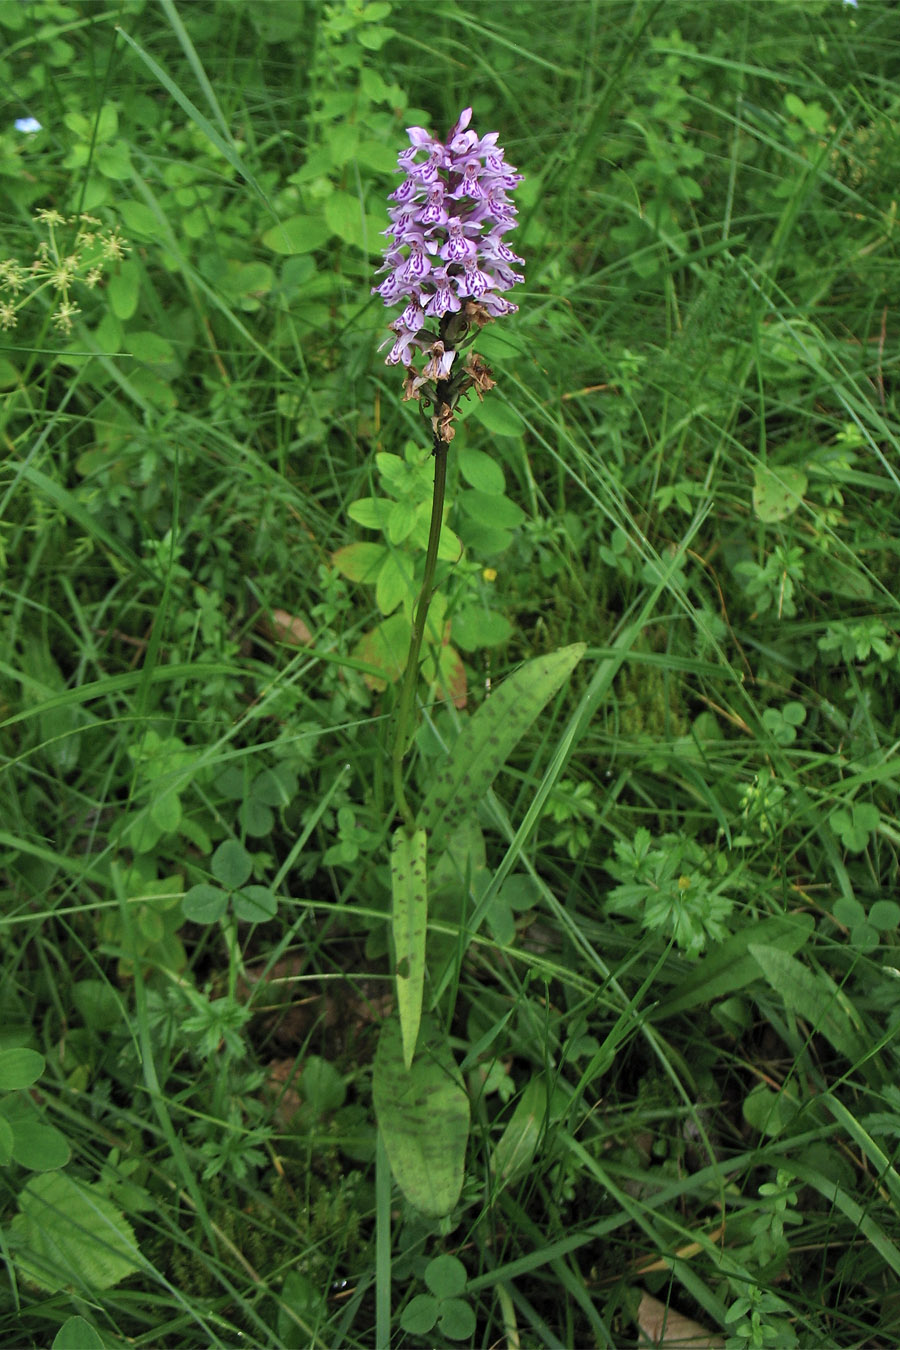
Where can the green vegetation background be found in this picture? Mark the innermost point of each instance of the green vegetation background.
(678, 1027)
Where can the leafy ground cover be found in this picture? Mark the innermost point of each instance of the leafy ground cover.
(655, 1087)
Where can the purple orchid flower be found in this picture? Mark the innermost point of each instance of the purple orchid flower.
(446, 260)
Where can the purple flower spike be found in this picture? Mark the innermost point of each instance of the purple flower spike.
(446, 260)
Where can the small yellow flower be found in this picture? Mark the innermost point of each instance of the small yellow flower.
(12, 277)
(8, 317)
(114, 246)
(93, 276)
(489, 574)
(62, 276)
(63, 317)
(48, 216)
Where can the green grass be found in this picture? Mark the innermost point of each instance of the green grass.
(663, 954)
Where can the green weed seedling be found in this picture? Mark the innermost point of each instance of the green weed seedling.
(443, 1306)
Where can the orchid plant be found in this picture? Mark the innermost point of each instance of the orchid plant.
(448, 264)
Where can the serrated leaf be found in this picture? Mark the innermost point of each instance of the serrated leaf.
(69, 1236)
(777, 492)
(488, 739)
(409, 892)
(423, 1115)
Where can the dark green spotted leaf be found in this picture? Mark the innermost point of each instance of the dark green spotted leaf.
(489, 738)
(777, 492)
(410, 918)
(423, 1115)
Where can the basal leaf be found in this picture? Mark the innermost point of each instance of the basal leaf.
(77, 1334)
(489, 738)
(409, 888)
(423, 1115)
(518, 1143)
(812, 995)
(730, 966)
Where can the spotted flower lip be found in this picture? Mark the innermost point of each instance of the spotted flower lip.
(445, 252)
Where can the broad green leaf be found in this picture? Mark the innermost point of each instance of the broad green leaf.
(204, 903)
(395, 582)
(385, 647)
(499, 418)
(77, 1334)
(480, 470)
(409, 889)
(151, 348)
(518, 1143)
(474, 626)
(420, 1314)
(457, 1320)
(7, 1140)
(372, 512)
(39, 1147)
(231, 864)
(423, 1115)
(165, 811)
(124, 288)
(343, 212)
(19, 1069)
(401, 521)
(446, 1276)
(360, 562)
(777, 492)
(255, 904)
(488, 739)
(491, 508)
(297, 234)
(70, 1237)
(769, 1112)
(730, 966)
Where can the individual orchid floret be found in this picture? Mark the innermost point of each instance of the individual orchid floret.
(446, 260)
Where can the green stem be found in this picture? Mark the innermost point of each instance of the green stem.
(410, 675)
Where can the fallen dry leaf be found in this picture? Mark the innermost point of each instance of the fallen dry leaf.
(284, 627)
(665, 1329)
